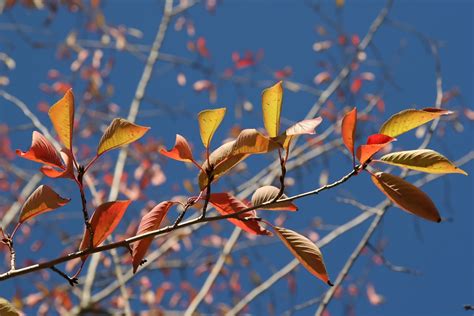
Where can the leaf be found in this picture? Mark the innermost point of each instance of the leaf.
(151, 221)
(305, 251)
(424, 160)
(103, 222)
(42, 151)
(220, 161)
(374, 144)
(269, 193)
(406, 196)
(7, 308)
(251, 141)
(120, 132)
(407, 120)
(209, 121)
(301, 128)
(42, 200)
(62, 117)
(67, 172)
(181, 150)
(348, 129)
(225, 204)
(271, 107)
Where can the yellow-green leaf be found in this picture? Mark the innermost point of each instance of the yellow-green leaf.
(407, 120)
(43, 199)
(305, 251)
(209, 121)
(7, 308)
(62, 117)
(406, 196)
(424, 160)
(120, 132)
(271, 107)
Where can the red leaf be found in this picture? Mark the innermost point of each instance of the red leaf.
(356, 85)
(103, 222)
(201, 47)
(181, 150)
(374, 144)
(348, 129)
(68, 172)
(228, 204)
(151, 221)
(42, 151)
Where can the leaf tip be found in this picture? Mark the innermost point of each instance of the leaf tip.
(330, 283)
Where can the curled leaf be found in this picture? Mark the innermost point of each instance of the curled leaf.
(66, 172)
(301, 128)
(62, 117)
(271, 106)
(103, 222)
(406, 196)
(151, 221)
(120, 132)
(269, 193)
(7, 308)
(348, 129)
(375, 143)
(209, 121)
(307, 253)
(181, 150)
(42, 200)
(226, 204)
(407, 120)
(42, 151)
(251, 141)
(425, 160)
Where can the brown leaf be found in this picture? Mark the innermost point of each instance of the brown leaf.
(268, 193)
(43, 199)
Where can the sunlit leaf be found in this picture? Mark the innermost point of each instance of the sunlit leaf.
(120, 132)
(67, 172)
(269, 193)
(406, 196)
(307, 253)
(43, 199)
(271, 106)
(225, 204)
(348, 129)
(407, 120)
(209, 121)
(374, 144)
(301, 128)
(7, 308)
(181, 150)
(62, 117)
(151, 221)
(425, 160)
(251, 141)
(42, 151)
(103, 222)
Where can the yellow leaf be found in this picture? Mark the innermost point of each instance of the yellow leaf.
(406, 196)
(305, 251)
(209, 121)
(62, 117)
(7, 308)
(425, 160)
(120, 132)
(250, 141)
(271, 107)
(407, 120)
(43, 199)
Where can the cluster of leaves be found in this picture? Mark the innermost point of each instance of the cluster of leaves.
(220, 161)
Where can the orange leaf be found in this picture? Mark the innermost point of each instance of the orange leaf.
(374, 144)
(225, 204)
(181, 150)
(269, 193)
(43, 199)
(119, 133)
(307, 253)
(42, 151)
(105, 219)
(406, 196)
(151, 221)
(348, 129)
(62, 117)
(68, 172)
